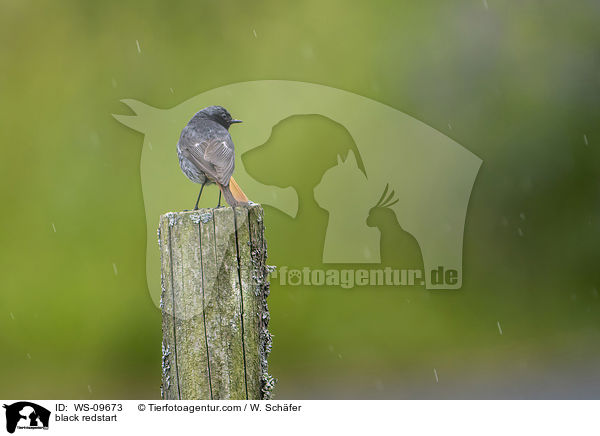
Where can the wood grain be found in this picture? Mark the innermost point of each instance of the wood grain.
(213, 302)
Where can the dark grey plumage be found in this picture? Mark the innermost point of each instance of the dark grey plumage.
(206, 151)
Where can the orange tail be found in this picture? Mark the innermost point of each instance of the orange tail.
(233, 193)
(237, 192)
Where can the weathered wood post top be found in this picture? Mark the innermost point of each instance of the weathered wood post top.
(214, 304)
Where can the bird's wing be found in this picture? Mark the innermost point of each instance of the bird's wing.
(219, 152)
(214, 156)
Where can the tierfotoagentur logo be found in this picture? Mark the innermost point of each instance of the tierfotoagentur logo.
(26, 415)
(350, 278)
(385, 182)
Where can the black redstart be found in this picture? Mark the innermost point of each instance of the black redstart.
(206, 153)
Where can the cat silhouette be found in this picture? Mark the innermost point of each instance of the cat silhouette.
(346, 193)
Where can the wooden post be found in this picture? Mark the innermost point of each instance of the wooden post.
(214, 308)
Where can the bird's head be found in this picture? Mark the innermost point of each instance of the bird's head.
(218, 114)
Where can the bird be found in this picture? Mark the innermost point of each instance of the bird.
(207, 154)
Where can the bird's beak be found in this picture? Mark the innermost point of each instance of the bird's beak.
(236, 121)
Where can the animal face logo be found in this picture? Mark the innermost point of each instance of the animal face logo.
(24, 414)
(428, 175)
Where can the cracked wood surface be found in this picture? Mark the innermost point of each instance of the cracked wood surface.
(213, 302)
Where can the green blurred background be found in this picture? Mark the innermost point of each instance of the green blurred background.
(515, 82)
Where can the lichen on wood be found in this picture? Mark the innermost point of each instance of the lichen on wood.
(213, 302)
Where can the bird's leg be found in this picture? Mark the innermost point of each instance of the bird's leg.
(219, 205)
(199, 195)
